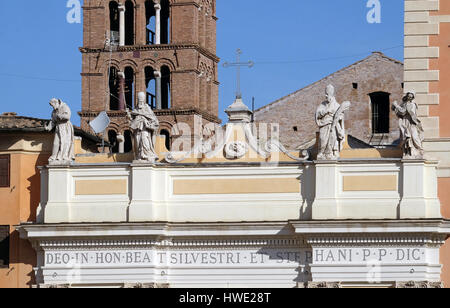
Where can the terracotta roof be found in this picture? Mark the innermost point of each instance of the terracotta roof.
(11, 122)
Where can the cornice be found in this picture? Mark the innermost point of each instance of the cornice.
(174, 47)
(169, 112)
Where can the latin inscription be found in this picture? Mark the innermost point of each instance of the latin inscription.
(230, 258)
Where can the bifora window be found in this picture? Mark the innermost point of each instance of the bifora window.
(5, 170)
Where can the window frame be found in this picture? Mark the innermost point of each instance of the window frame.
(375, 116)
(8, 182)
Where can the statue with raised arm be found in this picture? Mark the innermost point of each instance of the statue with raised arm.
(144, 125)
(330, 119)
(411, 130)
(63, 144)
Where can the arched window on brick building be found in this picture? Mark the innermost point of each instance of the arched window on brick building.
(112, 139)
(129, 87)
(165, 133)
(129, 23)
(150, 84)
(114, 22)
(150, 15)
(165, 22)
(113, 89)
(165, 88)
(128, 141)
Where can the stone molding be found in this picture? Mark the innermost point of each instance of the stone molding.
(419, 285)
(145, 286)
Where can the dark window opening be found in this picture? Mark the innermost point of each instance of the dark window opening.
(295, 129)
(150, 84)
(165, 87)
(112, 139)
(403, 85)
(5, 170)
(150, 15)
(114, 23)
(166, 134)
(4, 246)
(380, 112)
(129, 87)
(113, 89)
(165, 22)
(128, 148)
(129, 23)
(355, 86)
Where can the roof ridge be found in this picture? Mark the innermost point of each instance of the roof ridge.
(374, 54)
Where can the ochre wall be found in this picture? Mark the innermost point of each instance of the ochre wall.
(18, 204)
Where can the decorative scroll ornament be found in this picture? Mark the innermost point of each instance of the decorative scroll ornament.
(236, 150)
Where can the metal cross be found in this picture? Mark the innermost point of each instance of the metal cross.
(238, 66)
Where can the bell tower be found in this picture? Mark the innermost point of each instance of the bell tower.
(165, 48)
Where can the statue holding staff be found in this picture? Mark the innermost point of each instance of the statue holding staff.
(330, 119)
(145, 126)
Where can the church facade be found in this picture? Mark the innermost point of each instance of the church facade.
(233, 212)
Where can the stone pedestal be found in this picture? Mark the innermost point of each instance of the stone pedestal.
(419, 190)
(325, 205)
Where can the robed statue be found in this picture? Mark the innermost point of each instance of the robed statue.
(63, 144)
(411, 130)
(144, 125)
(330, 119)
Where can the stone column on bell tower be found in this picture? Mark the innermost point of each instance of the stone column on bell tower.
(122, 24)
(157, 23)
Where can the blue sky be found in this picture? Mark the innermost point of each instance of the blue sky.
(292, 42)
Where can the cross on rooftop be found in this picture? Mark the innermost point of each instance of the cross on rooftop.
(238, 66)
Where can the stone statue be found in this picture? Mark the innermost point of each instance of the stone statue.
(144, 125)
(411, 130)
(330, 119)
(63, 145)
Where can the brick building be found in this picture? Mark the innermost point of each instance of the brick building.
(371, 84)
(164, 48)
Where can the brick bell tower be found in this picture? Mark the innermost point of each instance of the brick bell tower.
(165, 48)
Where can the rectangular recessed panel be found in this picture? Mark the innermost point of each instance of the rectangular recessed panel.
(370, 183)
(100, 187)
(236, 186)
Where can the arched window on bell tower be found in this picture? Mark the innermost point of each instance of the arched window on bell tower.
(165, 133)
(129, 23)
(114, 22)
(150, 17)
(112, 139)
(128, 147)
(165, 22)
(113, 89)
(165, 88)
(129, 87)
(152, 13)
(150, 83)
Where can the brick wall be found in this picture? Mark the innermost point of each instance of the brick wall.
(190, 56)
(373, 74)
